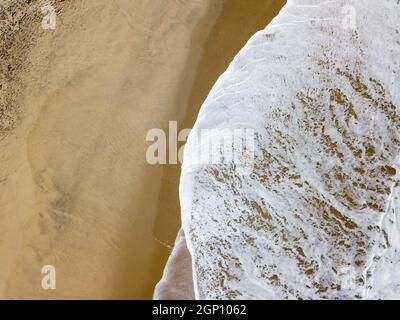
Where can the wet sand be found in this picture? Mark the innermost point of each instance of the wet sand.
(238, 21)
(76, 190)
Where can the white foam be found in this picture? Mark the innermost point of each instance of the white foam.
(176, 283)
(319, 216)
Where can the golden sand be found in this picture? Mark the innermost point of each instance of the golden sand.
(76, 191)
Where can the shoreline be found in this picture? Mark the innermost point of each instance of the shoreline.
(91, 205)
(235, 25)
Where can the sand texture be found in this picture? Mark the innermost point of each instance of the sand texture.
(76, 190)
(76, 103)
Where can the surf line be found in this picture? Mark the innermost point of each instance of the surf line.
(163, 310)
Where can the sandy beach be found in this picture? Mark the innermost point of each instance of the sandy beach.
(76, 191)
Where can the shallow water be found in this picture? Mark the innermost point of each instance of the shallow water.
(318, 216)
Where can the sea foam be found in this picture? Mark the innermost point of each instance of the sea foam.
(318, 217)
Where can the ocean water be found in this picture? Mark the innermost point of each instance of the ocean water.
(318, 216)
